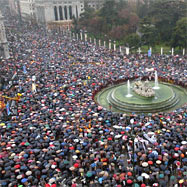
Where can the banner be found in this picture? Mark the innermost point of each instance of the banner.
(8, 109)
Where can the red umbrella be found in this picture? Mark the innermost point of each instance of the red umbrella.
(114, 175)
(129, 181)
(110, 138)
(17, 166)
(129, 173)
(150, 162)
(71, 148)
(176, 148)
(76, 165)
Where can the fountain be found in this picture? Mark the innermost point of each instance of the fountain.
(142, 96)
(128, 89)
(156, 87)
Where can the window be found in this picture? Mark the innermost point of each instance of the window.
(55, 13)
(60, 12)
(65, 12)
(77, 12)
(70, 12)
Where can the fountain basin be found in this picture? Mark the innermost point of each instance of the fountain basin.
(166, 98)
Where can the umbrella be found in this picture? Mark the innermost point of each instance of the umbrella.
(136, 185)
(172, 178)
(74, 157)
(28, 173)
(167, 172)
(161, 176)
(89, 174)
(129, 173)
(72, 168)
(158, 162)
(181, 181)
(140, 178)
(19, 177)
(117, 127)
(118, 136)
(184, 142)
(76, 165)
(144, 164)
(81, 170)
(145, 175)
(24, 180)
(129, 181)
(155, 184)
(150, 162)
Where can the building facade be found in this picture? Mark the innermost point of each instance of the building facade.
(58, 10)
(27, 9)
(4, 51)
(14, 7)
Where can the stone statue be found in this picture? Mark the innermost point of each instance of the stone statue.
(143, 89)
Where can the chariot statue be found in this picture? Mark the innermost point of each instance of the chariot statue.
(143, 89)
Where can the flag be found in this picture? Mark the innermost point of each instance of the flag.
(8, 109)
(149, 53)
(24, 69)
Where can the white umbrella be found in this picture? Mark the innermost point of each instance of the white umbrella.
(158, 162)
(74, 157)
(184, 142)
(145, 175)
(116, 127)
(145, 164)
(118, 136)
(51, 180)
(76, 140)
(28, 173)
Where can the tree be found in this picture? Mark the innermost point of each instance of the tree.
(165, 14)
(85, 17)
(143, 8)
(149, 32)
(179, 37)
(133, 41)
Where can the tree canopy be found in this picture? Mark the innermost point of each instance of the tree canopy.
(160, 21)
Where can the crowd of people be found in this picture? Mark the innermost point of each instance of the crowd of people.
(59, 136)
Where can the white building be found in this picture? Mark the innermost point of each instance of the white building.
(14, 7)
(4, 51)
(27, 9)
(58, 10)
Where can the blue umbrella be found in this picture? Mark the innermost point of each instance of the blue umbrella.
(167, 172)
(24, 180)
(93, 165)
(23, 167)
(100, 180)
(140, 178)
(43, 176)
